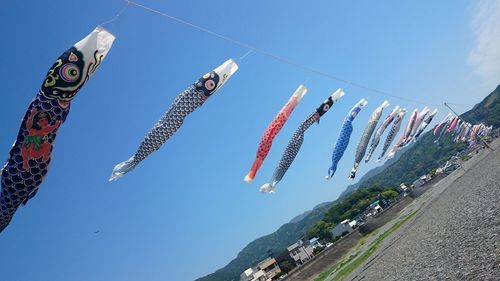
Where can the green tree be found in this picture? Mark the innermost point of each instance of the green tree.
(362, 204)
(389, 194)
(317, 250)
(321, 230)
(433, 172)
(286, 266)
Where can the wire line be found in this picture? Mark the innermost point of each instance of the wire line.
(117, 15)
(275, 57)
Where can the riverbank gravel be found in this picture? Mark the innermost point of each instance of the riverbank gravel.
(455, 236)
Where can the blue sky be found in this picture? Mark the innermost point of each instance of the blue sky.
(185, 211)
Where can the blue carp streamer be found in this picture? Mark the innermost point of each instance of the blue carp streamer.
(30, 156)
(365, 138)
(296, 141)
(185, 103)
(344, 136)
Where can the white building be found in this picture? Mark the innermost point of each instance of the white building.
(300, 252)
(402, 188)
(266, 270)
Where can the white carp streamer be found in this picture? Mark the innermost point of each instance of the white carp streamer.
(393, 132)
(378, 134)
(420, 118)
(424, 124)
(365, 138)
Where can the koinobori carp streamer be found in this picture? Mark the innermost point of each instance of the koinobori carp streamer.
(444, 130)
(296, 141)
(185, 103)
(459, 132)
(273, 129)
(420, 118)
(30, 156)
(405, 136)
(457, 127)
(393, 132)
(453, 124)
(378, 134)
(465, 132)
(424, 124)
(438, 126)
(409, 127)
(344, 136)
(365, 137)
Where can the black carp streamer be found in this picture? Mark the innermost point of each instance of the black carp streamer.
(293, 147)
(30, 155)
(185, 103)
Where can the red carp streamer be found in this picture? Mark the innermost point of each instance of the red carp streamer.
(273, 129)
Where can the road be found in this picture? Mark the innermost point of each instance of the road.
(455, 235)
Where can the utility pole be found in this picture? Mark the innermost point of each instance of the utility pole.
(467, 124)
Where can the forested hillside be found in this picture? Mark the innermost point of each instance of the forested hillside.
(414, 161)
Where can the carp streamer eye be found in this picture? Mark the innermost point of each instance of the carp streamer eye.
(209, 85)
(326, 107)
(69, 72)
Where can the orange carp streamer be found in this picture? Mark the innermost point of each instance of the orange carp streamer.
(273, 129)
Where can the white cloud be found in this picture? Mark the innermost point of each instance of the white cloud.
(485, 55)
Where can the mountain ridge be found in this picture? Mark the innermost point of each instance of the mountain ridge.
(406, 166)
